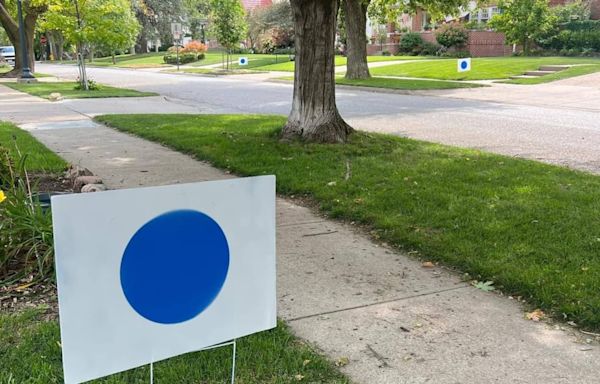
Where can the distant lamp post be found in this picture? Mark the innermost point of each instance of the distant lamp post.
(203, 24)
(26, 74)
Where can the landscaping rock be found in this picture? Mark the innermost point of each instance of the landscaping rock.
(55, 96)
(81, 181)
(76, 171)
(91, 188)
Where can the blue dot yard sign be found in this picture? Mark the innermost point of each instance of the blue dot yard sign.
(158, 272)
(464, 65)
(243, 61)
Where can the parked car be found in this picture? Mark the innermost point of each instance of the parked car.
(8, 53)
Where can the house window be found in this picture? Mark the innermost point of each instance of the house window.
(484, 14)
(426, 25)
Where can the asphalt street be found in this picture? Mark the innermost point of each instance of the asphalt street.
(568, 136)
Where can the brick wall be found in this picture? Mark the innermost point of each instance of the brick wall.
(595, 7)
(486, 44)
(376, 49)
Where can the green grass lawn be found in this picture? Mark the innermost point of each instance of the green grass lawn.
(144, 60)
(405, 84)
(214, 71)
(532, 228)
(68, 91)
(39, 158)
(266, 62)
(288, 66)
(30, 353)
(483, 68)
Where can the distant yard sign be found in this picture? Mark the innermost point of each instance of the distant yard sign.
(464, 65)
(159, 272)
(176, 30)
(243, 61)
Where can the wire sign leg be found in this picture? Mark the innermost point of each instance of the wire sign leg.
(233, 363)
(232, 343)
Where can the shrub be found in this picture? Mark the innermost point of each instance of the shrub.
(26, 243)
(184, 58)
(575, 36)
(456, 54)
(410, 43)
(430, 49)
(194, 47)
(92, 85)
(452, 36)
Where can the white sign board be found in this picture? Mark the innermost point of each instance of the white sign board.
(464, 65)
(243, 61)
(148, 274)
(176, 30)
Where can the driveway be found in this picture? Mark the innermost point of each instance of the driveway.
(581, 92)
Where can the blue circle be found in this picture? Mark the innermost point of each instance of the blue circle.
(464, 65)
(175, 266)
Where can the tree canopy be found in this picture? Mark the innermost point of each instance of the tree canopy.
(228, 22)
(523, 21)
(389, 10)
(105, 24)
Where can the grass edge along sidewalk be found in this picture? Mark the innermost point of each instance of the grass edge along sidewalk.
(532, 228)
(68, 91)
(39, 158)
(30, 342)
(30, 353)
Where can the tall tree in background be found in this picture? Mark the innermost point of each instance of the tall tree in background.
(272, 25)
(228, 23)
(314, 115)
(523, 21)
(155, 18)
(32, 9)
(197, 12)
(383, 11)
(356, 33)
(109, 25)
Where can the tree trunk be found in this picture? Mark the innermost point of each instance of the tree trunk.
(56, 42)
(356, 27)
(314, 115)
(12, 30)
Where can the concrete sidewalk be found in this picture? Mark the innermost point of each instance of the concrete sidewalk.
(394, 320)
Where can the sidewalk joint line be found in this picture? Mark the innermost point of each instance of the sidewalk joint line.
(378, 303)
(301, 223)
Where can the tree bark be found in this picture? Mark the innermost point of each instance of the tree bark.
(314, 116)
(12, 30)
(356, 27)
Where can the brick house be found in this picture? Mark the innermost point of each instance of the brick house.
(481, 42)
(251, 4)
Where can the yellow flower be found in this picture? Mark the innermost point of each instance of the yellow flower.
(2, 196)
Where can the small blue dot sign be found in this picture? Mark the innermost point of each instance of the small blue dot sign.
(174, 266)
(464, 64)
